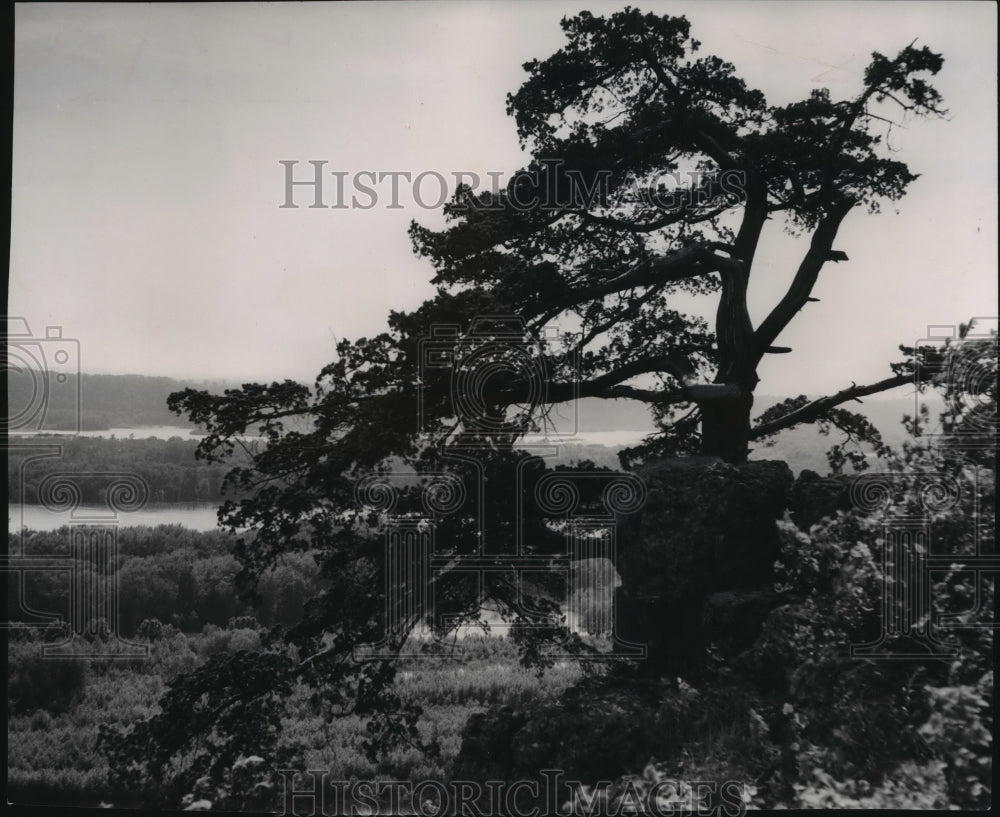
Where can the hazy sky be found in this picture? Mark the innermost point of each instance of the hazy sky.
(147, 183)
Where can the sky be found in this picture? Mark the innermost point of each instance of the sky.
(147, 177)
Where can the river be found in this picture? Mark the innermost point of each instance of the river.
(198, 516)
(612, 438)
(201, 516)
(138, 432)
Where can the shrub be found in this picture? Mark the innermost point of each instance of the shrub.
(864, 732)
(909, 786)
(214, 640)
(151, 629)
(45, 682)
(957, 731)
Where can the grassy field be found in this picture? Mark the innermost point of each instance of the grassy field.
(52, 755)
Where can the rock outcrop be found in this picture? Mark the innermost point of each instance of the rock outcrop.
(705, 528)
(815, 497)
(696, 564)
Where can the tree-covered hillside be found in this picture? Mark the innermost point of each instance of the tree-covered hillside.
(54, 401)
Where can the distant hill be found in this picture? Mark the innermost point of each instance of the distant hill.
(594, 414)
(121, 401)
(96, 401)
(802, 447)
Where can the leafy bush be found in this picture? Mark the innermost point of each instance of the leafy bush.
(36, 682)
(817, 726)
(152, 629)
(957, 729)
(909, 786)
(660, 790)
(215, 641)
(864, 732)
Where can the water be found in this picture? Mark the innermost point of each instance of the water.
(199, 516)
(138, 432)
(615, 439)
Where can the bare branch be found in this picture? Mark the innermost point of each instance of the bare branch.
(811, 412)
(801, 287)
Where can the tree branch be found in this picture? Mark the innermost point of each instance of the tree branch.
(687, 262)
(811, 412)
(805, 278)
(734, 330)
(684, 213)
(705, 141)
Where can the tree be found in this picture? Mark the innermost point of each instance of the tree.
(599, 226)
(590, 234)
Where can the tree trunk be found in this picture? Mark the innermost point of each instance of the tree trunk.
(725, 420)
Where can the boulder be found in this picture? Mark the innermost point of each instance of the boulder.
(815, 497)
(696, 565)
(733, 620)
(706, 527)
